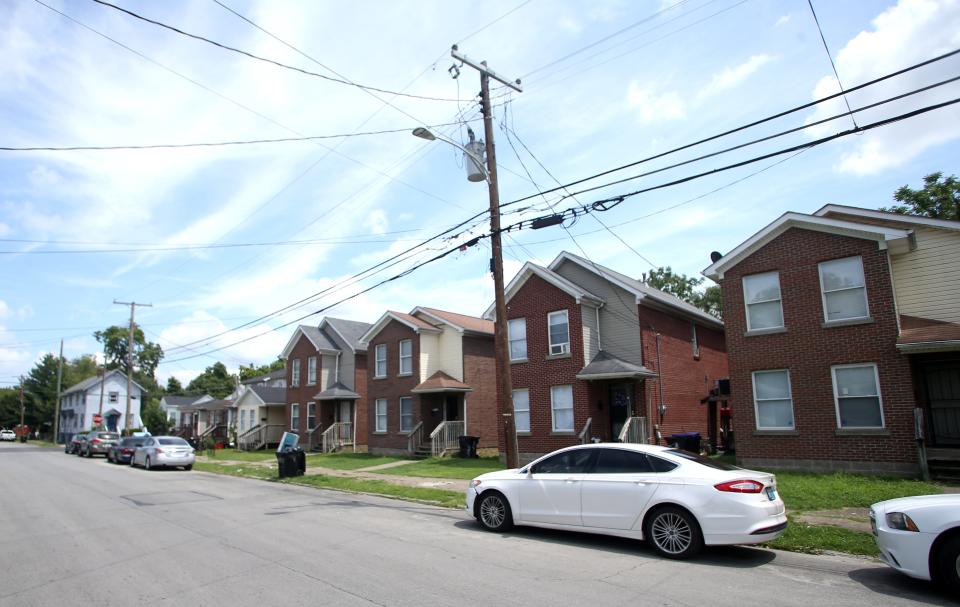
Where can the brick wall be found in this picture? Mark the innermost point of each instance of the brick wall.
(303, 393)
(391, 387)
(362, 404)
(479, 372)
(808, 350)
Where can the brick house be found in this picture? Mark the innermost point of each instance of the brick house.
(597, 355)
(842, 326)
(430, 380)
(326, 401)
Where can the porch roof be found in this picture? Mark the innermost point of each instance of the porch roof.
(441, 382)
(607, 366)
(927, 335)
(337, 392)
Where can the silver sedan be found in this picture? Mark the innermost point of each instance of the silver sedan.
(162, 452)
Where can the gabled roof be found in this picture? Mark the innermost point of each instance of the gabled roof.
(440, 382)
(275, 374)
(607, 366)
(175, 400)
(834, 210)
(460, 322)
(579, 294)
(416, 324)
(896, 240)
(337, 391)
(349, 331)
(270, 396)
(927, 335)
(93, 381)
(320, 341)
(644, 293)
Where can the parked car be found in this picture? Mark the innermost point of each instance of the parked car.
(162, 452)
(920, 536)
(678, 501)
(8, 435)
(73, 447)
(121, 452)
(99, 443)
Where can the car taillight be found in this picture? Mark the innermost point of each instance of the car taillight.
(159, 450)
(740, 486)
(96, 441)
(126, 451)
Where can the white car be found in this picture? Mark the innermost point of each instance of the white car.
(8, 435)
(163, 452)
(677, 500)
(920, 536)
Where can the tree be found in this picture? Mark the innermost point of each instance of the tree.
(79, 369)
(215, 381)
(249, 372)
(174, 386)
(937, 199)
(154, 419)
(686, 288)
(146, 355)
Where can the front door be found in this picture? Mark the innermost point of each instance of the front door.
(621, 404)
(451, 410)
(942, 386)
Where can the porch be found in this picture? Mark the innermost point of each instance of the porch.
(615, 389)
(331, 424)
(443, 416)
(267, 433)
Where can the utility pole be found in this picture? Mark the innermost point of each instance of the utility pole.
(501, 345)
(21, 409)
(133, 305)
(56, 413)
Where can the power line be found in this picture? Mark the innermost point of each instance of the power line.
(832, 64)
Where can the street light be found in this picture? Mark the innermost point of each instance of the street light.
(472, 152)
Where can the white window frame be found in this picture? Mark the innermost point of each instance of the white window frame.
(746, 306)
(408, 358)
(511, 339)
(410, 415)
(113, 397)
(380, 413)
(756, 407)
(694, 344)
(562, 347)
(295, 415)
(311, 407)
(295, 373)
(823, 291)
(836, 395)
(553, 410)
(377, 350)
(517, 410)
(311, 370)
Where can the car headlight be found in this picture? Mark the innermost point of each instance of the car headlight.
(475, 483)
(900, 521)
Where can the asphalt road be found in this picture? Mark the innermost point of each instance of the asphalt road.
(84, 532)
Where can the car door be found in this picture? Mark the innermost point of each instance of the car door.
(550, 492)
(616, 490)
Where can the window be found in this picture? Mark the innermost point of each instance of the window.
(693, 340)
(311, 416)
(661, 465)
(114, 397)
(294, 416)
(856, 391)
(561, 403)
(772, 400)
(575, 461)
(406, 357)
(621, 461)
(295, 372)
(381, 357)
(842, 286)
(311, 370)
(559, 328)
(517, 332)
(381, 415)
(521, 409)
(406, 414)
(253, 420)
(761, 297)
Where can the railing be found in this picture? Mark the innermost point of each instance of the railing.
(584, 435)
(259, 436)
(336, 436)
(634, 430)
(415, 438)
(446, 436)
(216, 432)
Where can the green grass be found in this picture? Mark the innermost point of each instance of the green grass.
(448, 467)
(439, 497)
(802, 492)
(813, 539)
(237, 470)
(350, 461)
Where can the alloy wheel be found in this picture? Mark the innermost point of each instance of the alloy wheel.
(671, 533)
(493, 511)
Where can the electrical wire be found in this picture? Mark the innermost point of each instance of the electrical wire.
(832, 64)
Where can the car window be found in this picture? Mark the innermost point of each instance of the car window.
(704, 461)
(661, 465)
(173, 441)
(575, 461)
(621, 461)
(149, 443)
(108, 435)
(132, 442)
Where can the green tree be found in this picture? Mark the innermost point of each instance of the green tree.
(9, 407)
(154, 419)
(78, 369)
(174, 386)
(146, 355)
(939, 198)
(686, 288)
(215, 381)
(251, 371)
(711, 301)
(40, 393)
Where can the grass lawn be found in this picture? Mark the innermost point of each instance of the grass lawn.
(350, 461)
(439, 497)
(448, 467)
(237, 470)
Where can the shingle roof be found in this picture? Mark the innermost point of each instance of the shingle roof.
(916, 331)
(318, 338)
(350, 330)
(413, 320)
(336, 392)
(441, 382)
(92, 381)
(275, 374)
(470, 323)
(607, 366)
(271, 396)
(176, 400)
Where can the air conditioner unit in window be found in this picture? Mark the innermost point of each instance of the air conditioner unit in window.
(559, 349)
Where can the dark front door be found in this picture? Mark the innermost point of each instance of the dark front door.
(942, 386)
(621, 404)
(452, 404)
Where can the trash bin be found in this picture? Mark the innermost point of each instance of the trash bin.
(468, 446)
(292, 462)
(688, 441)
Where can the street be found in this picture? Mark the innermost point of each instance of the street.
(76, 531)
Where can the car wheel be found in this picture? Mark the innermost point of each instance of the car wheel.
(188, 468)
(493, 512)
(146, 464)
(946, 566)
(673, 532)
(133, 462)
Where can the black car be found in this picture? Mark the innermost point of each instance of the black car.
(121, 452)
(99, 443)
(73, 445)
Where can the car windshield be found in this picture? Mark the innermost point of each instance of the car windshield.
(705, 461)
(108, 435)
(173, 441)
(132, 442)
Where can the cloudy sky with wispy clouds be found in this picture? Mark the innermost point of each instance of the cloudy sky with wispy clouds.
(216, 237)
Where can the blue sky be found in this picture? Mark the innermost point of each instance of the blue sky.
(605, 83)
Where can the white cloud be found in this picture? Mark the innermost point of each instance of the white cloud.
(782, 21)
(376, 221)
(653, 106)
(44, 177)
(730, 77)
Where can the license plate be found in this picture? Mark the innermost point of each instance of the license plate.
(771, 493)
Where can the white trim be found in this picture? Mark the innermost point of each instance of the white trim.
(313, 367)
(400, 410)
(295, 373)
(297, 406)
(386, 318)
(756, 410)
(553, 419)
(565, 346)
(376, 416)
(376, 360)
(419, 310)
(944, 224)
(746, 305)
(400, 357)
(580, 295)
(527, 390)
(314, 405)
(823, 292)
(509, 341)
(836, 396)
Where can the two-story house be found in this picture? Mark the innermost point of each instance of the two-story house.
(844, 336)
(326, 385)
(105, 396)
(598, 356)
(180, 412)
(430, 380)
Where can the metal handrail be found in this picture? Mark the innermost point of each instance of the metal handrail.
(445, 436)
(585, 433)
(415, 437)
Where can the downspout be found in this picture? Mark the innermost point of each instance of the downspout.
(599, 343)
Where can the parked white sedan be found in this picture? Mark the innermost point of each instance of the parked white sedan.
(8, 435)
(677, 500)
(920, 536)
(162, 452)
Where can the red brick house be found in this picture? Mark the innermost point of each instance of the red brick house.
(326, 402)
(844, 332)
(430, 380)
(597, 355)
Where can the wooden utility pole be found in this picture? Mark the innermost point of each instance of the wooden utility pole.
(500, 339)
(56, 412)
(133, 305)
(22, 410)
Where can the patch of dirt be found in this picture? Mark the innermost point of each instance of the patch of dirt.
(854, 519)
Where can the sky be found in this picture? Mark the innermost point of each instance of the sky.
(234, 246)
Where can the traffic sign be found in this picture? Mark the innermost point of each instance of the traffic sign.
(97, 418)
